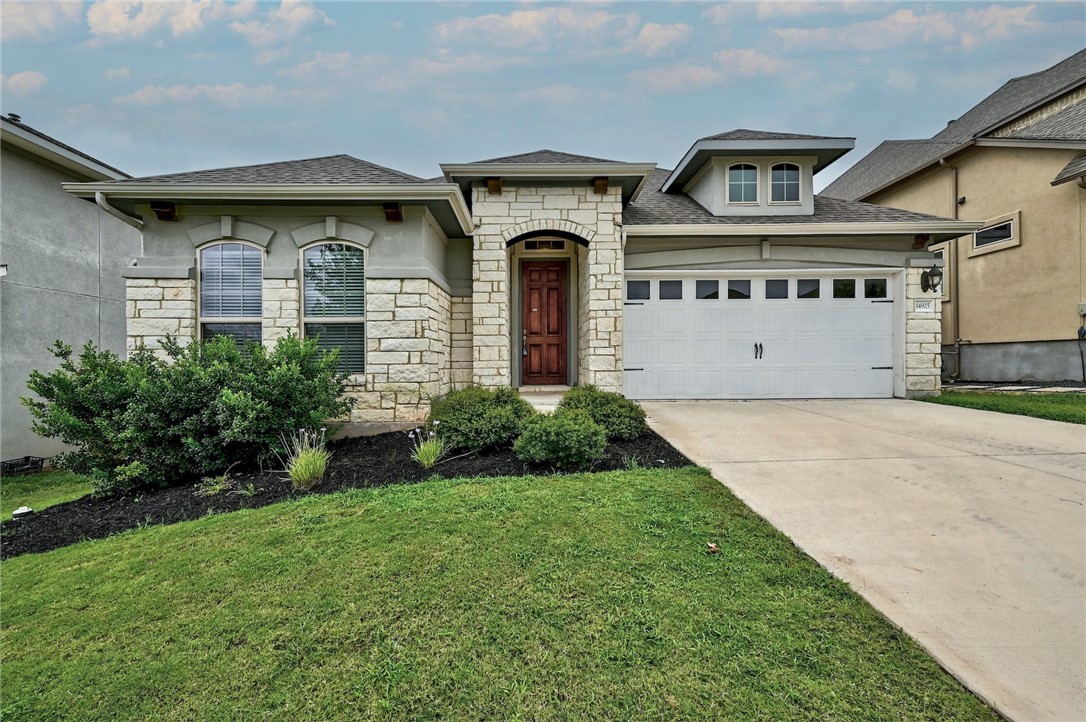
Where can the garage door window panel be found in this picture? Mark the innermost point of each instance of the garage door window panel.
(739, 290)
(776, 288)
(707, 290)
(671, 290)
(875, 288)
(637, 290)
(808, 288)
(844, 288)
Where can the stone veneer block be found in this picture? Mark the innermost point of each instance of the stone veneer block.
(156, 308)
(923, 331)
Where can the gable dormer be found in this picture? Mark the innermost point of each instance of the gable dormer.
(755, 173)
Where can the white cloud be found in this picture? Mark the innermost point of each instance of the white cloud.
(902, 79)
(23, 83)
(750, 63)
(232, 95)
(134, 19)
(541, 28)
(907, 28)
(676, 78)
(117, 73)
(282, 23)
(36, 20)
(654, 39)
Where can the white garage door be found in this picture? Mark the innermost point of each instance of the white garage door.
(717, 335)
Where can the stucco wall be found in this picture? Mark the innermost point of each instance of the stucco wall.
(63, 281)
(1030, 292)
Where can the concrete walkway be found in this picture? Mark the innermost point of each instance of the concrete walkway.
(966, 528)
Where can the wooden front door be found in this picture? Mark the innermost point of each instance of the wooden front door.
(544, 323)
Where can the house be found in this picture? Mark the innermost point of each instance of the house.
(60, 265)
(1014, 300)
(723, 278)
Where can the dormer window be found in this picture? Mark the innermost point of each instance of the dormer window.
(742, 183)
(784, 183)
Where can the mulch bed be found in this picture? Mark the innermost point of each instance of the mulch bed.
(370, 461)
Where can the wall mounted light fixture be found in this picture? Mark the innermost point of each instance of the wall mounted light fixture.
(931, 278)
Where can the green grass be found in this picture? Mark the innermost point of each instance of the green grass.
(1058, 407)
(40, 490)
(585, 597)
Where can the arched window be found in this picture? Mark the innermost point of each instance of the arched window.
(230, 291)
(743, 183)
(784, 183)
(334, 301)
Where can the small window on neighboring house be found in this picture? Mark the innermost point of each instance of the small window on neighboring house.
(230, 291)
(743, 183)
(784, 183)
(334, 301)
(1000, 233)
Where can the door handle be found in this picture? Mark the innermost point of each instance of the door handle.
(524, 345)
(755, 351)
(761, 351)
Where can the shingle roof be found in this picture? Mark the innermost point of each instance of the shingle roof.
(745, 134)
(65, 146)
(892, 159)
(544, 156)
(1075, 169)
(1068, 124)
(1015, 96)
(653, 207)
(895, 159)
(332, 169)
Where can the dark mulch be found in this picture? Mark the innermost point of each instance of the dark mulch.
(362, 462)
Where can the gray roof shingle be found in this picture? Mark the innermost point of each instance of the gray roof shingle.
(1015, 96)
(332, 169)
(653, 207)
(745, 134)
(895, 159)
(1075, 169)
(544, 156)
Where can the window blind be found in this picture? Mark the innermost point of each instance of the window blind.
(335, 282)
(230, 281)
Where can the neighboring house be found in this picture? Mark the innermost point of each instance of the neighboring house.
(61, 261)
(724, 278)
(1015, 294)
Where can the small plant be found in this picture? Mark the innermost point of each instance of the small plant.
(565, 440)
(212, 485)
(307, 459)
(620, 417)
(248, 491)
(478, 418)
(427, 446)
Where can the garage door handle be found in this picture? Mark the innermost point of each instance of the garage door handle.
(882, 368)
(758, 350)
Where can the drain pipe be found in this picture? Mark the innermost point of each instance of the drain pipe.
(956, 324)
(103, 203)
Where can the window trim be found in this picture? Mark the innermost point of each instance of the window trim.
(200, 318)
(757, 184)
(1015, 220)
(799, 184)
(355, 376)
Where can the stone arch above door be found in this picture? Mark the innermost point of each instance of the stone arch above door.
(549, 226)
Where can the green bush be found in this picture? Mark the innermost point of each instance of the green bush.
(620, 417)
(154, 420)
(568, 440)
(479, 418)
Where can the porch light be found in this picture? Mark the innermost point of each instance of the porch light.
(930, 279)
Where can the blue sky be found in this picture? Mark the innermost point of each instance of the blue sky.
(158, 87)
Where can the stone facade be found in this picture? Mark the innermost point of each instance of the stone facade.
(281, 304)
(157, 307)
(595, 218)
(460, 333)
(923, 336)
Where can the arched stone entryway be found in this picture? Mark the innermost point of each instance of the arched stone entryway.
(591, 221)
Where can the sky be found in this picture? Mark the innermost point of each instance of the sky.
(162, 87)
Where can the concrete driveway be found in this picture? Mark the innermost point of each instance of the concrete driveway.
(965, 528)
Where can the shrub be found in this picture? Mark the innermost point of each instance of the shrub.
(307, 459)
(620, 417)
(157, 420)
(565, 440)
(428, 446)
(478, 418)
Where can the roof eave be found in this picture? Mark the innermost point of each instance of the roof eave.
(76, 163)
(235, 192)
(942, 230)
(786, 147)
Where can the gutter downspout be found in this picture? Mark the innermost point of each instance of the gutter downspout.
(103, 203)
(956, 325)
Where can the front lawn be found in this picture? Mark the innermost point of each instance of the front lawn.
(1058, 407)
(39, 491)
(543, 598)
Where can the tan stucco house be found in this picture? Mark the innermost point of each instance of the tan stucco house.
(1014, 301)
(726, 277)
